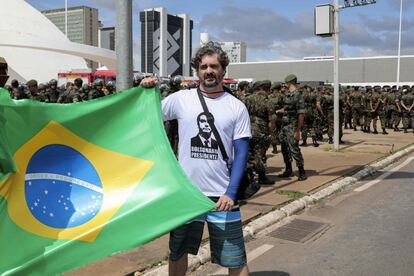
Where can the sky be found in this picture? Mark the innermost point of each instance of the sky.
(275, 29)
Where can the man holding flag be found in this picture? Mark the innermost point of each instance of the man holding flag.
(205, 166)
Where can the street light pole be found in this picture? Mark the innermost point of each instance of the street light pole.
(336, 75)
(66, 18)
(123, 42)
(399, 47)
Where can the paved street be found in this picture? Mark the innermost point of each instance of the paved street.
(369, 231)
(322, 165)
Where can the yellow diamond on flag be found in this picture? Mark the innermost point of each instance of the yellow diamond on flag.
(68, 188)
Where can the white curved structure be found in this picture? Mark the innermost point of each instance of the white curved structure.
(35, 48)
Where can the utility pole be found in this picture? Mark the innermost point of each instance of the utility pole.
(336, 75)
(327, 24)
(123, 42)
(399, 47)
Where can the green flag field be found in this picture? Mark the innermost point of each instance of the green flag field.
(82, 181)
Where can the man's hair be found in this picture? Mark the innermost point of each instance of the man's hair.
(78, 82)
(209, 49)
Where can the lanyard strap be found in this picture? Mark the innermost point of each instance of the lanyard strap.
(210, 120)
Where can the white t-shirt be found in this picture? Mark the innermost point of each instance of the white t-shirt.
(198, 151)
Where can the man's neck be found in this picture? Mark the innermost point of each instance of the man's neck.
(212, 92)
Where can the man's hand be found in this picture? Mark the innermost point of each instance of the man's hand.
(149, 82)
(296, 135)
(224, 203)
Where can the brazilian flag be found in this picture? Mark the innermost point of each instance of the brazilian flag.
(82, 181)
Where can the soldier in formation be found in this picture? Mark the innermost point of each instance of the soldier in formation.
(67, 93)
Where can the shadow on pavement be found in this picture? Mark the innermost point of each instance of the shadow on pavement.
(401, 175)
(269, 273)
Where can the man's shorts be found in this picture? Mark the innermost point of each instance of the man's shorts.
(226, 238)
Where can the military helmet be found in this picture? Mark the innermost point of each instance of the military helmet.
(176, 80)
(243, 84)
(98, 82)
(86, 87)
(15, 83)
(291, 78)
(266, 84)
(256, 85)
(276, 85)
(110, 83)
(78, 82)
(42, 86)
(192, 84)
(31, 83)
(53, 82)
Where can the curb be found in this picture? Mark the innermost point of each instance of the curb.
(252, 228)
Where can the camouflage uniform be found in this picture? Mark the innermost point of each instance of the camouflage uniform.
(259, 109)
(309, 123)
(275, 99)
(378, 105)
(355, 99)
(347, 110)
(292, 106)
(391, 108)
(328, 107)
(367, 111)
(408, 115)
(398, 114)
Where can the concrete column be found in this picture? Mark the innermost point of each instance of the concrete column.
(163, 42)
(123, 42)
(186, 45)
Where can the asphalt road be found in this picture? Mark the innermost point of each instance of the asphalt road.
(369, 230)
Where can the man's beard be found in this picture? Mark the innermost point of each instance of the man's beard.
(210, 84)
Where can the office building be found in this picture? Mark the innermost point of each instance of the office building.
(82, 25)
(107, 38)
(165, 43)
(236, 51)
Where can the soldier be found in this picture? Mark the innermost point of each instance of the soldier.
(258, 108)
(242, 90)
(407, 104)
(43, 92)
(53, 91)
(309, 126)
(34, 91)
(19, 93)
(84, 93)
(97, 90)
(391, 107)
(379, 111)
(110, 87)
(398, 114)
(347, 110)
(274, 100)
(355, 100)
(367, 109)
(293, 112)
(266, 86)
(137, 79)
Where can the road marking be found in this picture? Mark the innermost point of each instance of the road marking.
(381, 177)
(250, 257)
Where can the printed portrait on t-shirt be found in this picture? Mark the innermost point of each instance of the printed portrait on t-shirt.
(203, 145)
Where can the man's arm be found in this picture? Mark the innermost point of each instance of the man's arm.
(403, 105)
(241, 150)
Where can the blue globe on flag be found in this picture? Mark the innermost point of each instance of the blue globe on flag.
(62, 187)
